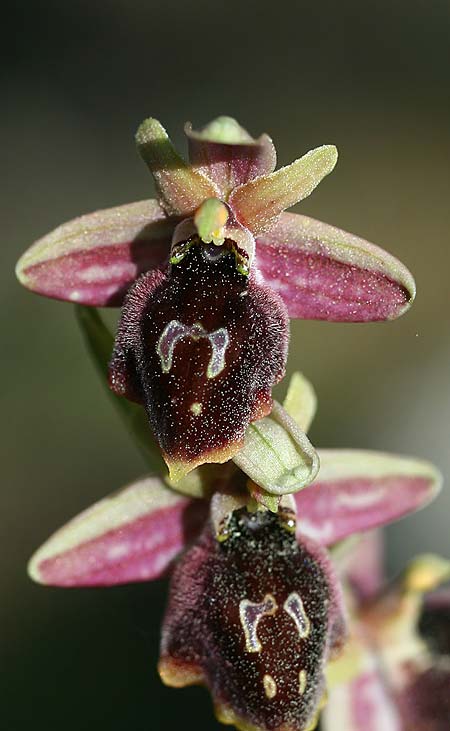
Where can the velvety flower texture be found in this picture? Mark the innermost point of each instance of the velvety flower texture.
(208, 276)
(394, 674)
(255, 611)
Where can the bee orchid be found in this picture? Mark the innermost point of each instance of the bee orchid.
(207, 277)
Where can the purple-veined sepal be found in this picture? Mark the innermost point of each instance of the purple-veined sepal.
(132, 535)
(324, 273)
(254, 616)
(224, 152)
(94, 259)
(356, 491)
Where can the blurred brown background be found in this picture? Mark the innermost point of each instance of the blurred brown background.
(77, 79)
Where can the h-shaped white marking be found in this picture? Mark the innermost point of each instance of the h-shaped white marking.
(175, 331)
(251, 612)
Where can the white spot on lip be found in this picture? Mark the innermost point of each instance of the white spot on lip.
(302, 678)
(270, 686)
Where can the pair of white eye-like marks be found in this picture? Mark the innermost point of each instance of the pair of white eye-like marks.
(250, 613)
(176, 331)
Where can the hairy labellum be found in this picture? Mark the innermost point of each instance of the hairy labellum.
(200, 345)
(254, 618)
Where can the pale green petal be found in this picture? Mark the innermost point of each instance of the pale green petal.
(277, 455)
(258, 203)
(182, 189)
(301, 401)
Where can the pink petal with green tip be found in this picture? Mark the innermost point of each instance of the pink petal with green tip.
(231, 163)
(356, 491)
(133, 535)
(324, 273)
(93, 260)
(258, 203)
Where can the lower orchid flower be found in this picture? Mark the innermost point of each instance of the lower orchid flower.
(209, 274)
(255, 611)
(394, 674)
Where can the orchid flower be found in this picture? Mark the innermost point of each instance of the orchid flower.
(394, 673)
(255, 611)
(209, 274)
(207, 278)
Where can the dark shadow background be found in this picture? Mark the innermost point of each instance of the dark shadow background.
(77, 78)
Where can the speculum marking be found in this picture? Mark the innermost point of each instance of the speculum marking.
(250, 614)
(294, 607)
(176, 330)
(302, 678)
(270, 686)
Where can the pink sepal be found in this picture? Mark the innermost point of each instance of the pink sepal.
(324, 273)
(229, 165)
(356, 491)
(94, 259)
(133, 535)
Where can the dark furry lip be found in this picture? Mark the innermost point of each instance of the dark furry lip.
(200, 345)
